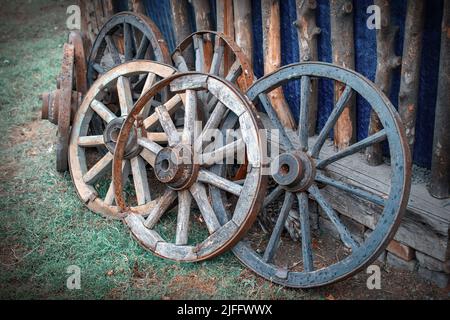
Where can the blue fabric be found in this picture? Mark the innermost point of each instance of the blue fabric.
(365, 59)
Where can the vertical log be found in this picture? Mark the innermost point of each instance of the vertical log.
(343, 47)
(137, 6)
(181, 26)
(307, 36)
(202, 10)
(410, 76)
(387, 62)
(440, 167)
(225, 24)
(272, 57)
(85, 25)
(243, 27)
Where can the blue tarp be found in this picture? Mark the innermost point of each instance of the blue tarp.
(365, 48)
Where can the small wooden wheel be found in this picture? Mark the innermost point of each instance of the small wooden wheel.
(302, 165)
(181, 162)
(126, 36)
(111, 98)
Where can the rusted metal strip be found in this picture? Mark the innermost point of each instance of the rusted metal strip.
(440, 167)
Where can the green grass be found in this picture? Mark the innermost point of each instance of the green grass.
(44, 227)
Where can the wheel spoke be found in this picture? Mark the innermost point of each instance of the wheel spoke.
(332, 119)
(304, 112)
(184, 211)
(198, 191)
(148, 156)
(199, 54)
(213, 122)
(273, 195)
(217, 57)
(307, 254)
(171, 106)
(149, 145)
(109, 198)
(234, 72)
(149, 82)
(351, 189)
(275, 120)
(90, 141)
(190, 112)
(179, 61)
(125, 97)
(354, 148)
(167, 124)
(113, 50)
(164, 203)
(140, 180)
(99, 169)
(143, 46)
(102, 111)
(217, 156)
(208, 177)
(345, 235)
(274, 240)
(128, 41)
(97, 67)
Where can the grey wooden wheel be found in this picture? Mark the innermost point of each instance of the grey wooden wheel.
(181, 160)
(110, 98)
(302, 169)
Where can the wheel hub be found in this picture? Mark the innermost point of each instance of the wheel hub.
(174, 166)
(111, 134)
(294, 171)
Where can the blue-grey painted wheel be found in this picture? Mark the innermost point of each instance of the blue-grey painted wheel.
(302, 154)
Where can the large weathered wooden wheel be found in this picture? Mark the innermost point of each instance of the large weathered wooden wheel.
(126, 36)
(304, 168)
(111, 98)
(181, 162)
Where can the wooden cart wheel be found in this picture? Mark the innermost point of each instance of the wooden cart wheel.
(126, 36)
(214, 53)
(302, 164)
(181, 161)
(111, 98)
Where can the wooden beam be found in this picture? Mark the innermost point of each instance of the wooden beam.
(225, 24)
(243, 27)
(343, 47)
(202, 10)
(138, 7)
(440, 167)
(410, 76)
(181, 26)
(272, 57)
(387, 62)
(307, 34)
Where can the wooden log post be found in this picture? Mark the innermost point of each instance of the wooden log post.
(343, 48)
(181, 26)
(243, 27)
(202, 10)
(410, 74)
(272, 57)
(440, 167)
(225, 24)
(137, 6)
(307, 35)
(387, 62)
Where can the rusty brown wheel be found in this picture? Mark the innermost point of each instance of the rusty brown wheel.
(181, 162)
(111, 98)
(60, 105)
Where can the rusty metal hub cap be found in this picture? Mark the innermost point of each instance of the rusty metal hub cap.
(111, 134)
(181, 224)
(294, 171)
